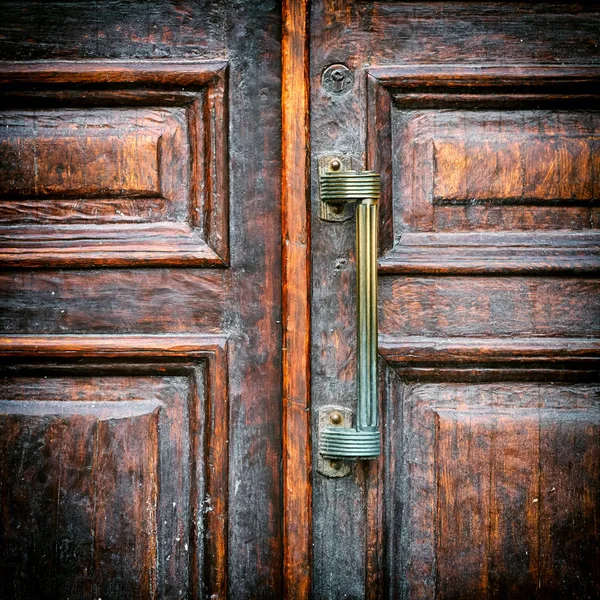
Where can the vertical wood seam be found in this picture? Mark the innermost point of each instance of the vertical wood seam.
(297, 490)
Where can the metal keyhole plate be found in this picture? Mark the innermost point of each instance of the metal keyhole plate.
(337, 79)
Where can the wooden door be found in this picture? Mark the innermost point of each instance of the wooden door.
(168, 338)
(482, 120)
(140, 300)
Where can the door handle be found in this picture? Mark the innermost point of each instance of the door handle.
(363, 441)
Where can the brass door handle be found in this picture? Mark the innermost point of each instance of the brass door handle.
(364, 440)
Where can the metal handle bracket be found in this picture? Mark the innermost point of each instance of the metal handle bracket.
(364, 440)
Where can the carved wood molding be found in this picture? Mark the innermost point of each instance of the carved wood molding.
(480, 401)
(156, 131)
(421, 245)
(202, 360)
(486, 359)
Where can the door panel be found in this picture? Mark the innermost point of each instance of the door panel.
(494, 307)
(140, 300)
(482, 120)
(98, 171)
(109, 447)
(473, 170)
(499, 478)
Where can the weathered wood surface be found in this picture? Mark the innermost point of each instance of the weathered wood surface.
(489, 302)
(503, 488)
(134, 463)
(482, 119)
(483, 157)
(297, 489)
(114, 444)
(94, 173)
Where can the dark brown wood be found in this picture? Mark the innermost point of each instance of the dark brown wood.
(471, 182)
(297, 489)
(496, 307)
(159, 403)
(83, 184)
(482, 119)
(140, 228)
(479, 477)
(171, 305)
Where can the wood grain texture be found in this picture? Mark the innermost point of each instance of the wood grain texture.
(134, 432)
(296, 302)
(415, 351)
(162, 30)
(341, 521)
(66, 511)
(474, 466)
(73, 154)
(566, 178)
(255, 526)
(101, 301)
(480, 117)
(218, 66)
(489, 307)
(469, 465)
(454, 171)
(460, 33)
(69, 149)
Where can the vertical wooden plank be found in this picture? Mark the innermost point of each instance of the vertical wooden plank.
(379, 153)
(174, 464)
(125, 507)
(464, 443)
(514, 508)
(569, 501)
(215, 511)
(416, 450)
(296, 309)
(255, 541)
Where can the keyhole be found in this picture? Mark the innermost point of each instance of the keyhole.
(338, 80)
